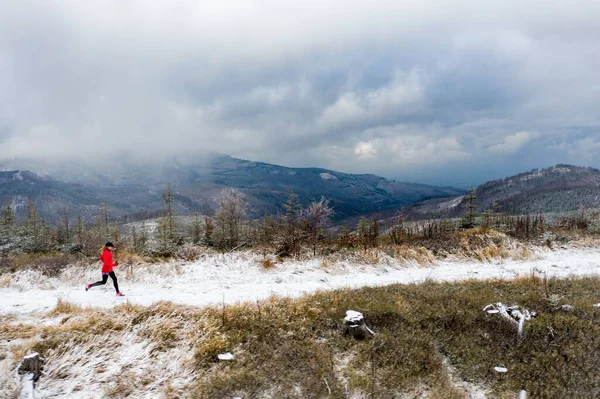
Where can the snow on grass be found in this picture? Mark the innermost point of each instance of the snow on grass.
(102, 354)
(143, 352)
(118, 366)
(240, 277)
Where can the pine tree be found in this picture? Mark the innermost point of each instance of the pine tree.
(291, 240)
(345, 238)
(66, 224)
(209, 229)
(469, 219)
(7, 225)
(8, 214)
(196, 229)
(166, 225)
(169, 214)
(142, 241)
(368, 232)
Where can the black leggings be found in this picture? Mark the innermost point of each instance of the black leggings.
(105, 279)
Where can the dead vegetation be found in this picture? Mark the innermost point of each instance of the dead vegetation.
(294, 347)
(50, 264)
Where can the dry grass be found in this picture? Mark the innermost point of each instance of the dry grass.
(268, 263)
(406, 253)
(5, 280)
(473, 244)
(414, 324)
(122, 387)
(17, 331)
(50, 264)
(125, 257)
(65, 307)
(294, 348)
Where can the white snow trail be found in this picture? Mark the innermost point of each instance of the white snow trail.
(240, 277)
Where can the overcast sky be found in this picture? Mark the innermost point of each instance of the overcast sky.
(454, 92)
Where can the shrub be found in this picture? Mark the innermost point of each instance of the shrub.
(49, 264)
(268, 263)
(188, 253)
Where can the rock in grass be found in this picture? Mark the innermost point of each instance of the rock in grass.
(225, 356)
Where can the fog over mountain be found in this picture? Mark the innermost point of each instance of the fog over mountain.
(444, 92)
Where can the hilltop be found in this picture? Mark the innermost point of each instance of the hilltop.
(558, 189)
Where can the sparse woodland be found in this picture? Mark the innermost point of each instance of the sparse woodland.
(300, 231)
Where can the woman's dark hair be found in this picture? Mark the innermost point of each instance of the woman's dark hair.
(109, 244)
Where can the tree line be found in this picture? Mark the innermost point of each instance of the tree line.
(298, 228)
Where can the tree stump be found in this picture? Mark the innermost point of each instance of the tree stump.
(31, 364)
(354, 324)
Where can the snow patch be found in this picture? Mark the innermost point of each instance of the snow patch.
(561, 170)
(451, 204)
(327, 176)
(353, 316)
(471, 390)
(532, 176)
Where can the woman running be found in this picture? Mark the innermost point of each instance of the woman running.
(107, 268)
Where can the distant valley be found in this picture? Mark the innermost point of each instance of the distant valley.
(133, 191)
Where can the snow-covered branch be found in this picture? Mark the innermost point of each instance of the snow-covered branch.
(514, 314)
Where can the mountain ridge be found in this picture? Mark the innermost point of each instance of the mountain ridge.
(135, 189)
(556, 189)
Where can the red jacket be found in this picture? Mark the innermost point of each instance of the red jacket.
(107, 261)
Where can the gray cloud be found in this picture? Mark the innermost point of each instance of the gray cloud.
(444, 91)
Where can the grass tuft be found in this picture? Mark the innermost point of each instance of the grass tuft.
(65, 307)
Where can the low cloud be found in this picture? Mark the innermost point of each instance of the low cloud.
(411, 90)
(513, 143)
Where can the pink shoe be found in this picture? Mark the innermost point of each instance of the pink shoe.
(88, 286)
(119, 294)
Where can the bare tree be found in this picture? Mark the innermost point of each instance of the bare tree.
(316, 219)
(232, 210)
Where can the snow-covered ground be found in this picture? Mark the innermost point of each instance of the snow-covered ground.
(212, 280)
(241, 277)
